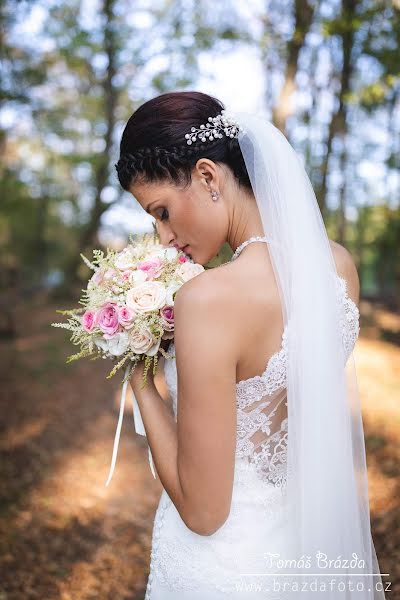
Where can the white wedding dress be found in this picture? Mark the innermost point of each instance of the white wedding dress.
(185, 565)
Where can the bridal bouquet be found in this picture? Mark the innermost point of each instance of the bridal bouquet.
(128, 304)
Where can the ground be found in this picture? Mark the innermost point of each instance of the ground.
(64, 535)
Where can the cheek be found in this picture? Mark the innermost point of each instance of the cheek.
(185, 215)
(197, 223)
(190, 217)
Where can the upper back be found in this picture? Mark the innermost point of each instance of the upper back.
(253, 310)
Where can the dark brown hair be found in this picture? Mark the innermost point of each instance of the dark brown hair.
(154, 148)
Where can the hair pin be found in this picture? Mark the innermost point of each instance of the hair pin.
(215, 128)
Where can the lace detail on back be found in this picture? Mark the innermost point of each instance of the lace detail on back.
(350, 318)
(183, 560)
(262, 424)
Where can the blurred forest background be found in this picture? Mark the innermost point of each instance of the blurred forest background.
(328, 75)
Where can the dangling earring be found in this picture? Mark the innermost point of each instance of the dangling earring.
(214, 195)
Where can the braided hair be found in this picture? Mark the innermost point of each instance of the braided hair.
(153, 146)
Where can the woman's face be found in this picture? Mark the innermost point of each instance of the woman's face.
(188, 219)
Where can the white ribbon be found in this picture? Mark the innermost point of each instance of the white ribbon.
(139, 427)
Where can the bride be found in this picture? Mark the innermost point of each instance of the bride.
(262, 459)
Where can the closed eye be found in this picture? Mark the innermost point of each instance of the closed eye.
(164, 215)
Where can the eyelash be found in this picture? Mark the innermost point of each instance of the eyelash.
(162, 214)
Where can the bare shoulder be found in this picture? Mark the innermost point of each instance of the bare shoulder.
(205, 293)
(205, 302)
(346, 268)
(209, 287)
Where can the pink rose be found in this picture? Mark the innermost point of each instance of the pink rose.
(107, 318)
(88, 320)
(182, 258)
(167, 315)
(151, 266)
(126, 316)
(125, 275)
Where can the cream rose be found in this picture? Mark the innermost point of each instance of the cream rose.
(147, 296)
(143, 342)
(188, 270)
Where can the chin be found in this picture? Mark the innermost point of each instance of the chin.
(189, 254)
(195, 259)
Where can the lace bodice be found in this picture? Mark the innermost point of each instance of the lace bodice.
(261, 402)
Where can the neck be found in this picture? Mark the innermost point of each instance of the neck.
(244, 219)
(246, 223)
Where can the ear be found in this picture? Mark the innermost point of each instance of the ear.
(207, 173)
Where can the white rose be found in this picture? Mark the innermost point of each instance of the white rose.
(125, 260)
(188, 270)
(142, 342)
(101, 343)
(171, 253)
(171, 289)
(147, 296)
(119, 343)
(137, 276)
(115, 345)
(165, 252)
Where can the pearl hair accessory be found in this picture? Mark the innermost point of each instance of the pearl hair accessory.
(221, 123)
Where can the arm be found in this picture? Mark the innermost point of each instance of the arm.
(161, 385)
(195, 457)
(346, 268)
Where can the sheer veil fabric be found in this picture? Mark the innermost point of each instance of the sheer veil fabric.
(328, 533)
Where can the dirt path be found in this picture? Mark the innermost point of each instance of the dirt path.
(63, 534)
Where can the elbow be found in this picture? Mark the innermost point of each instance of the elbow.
(205, 524)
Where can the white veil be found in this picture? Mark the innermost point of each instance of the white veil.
(327, 489)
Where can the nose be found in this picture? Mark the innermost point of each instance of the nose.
(166, 236)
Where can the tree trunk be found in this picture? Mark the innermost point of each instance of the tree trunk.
(304, 13)
(341, 229)
(88, 232)
(338, 123)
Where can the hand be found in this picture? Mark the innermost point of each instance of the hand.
(136, 378)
